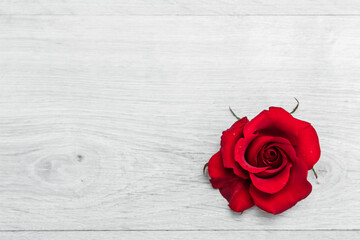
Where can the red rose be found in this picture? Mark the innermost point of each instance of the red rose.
(264, 162)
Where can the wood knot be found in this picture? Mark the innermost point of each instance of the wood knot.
(66, 168)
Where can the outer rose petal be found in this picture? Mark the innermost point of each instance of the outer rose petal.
(308, 148)
(228, 141)
(295, 190)
(217, 171)
(275, 119)
(232, 187)
(301, 134)
(241, 199)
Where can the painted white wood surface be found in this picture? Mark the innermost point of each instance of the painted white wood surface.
(106, 121)
(196, 235)
(179, 7)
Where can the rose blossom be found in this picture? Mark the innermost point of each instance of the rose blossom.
(265, 161)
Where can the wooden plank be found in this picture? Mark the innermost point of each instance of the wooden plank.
(179, 7)
(106, 122)
(269, 235)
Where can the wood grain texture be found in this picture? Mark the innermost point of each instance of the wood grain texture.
(106, 121)
(179, 7)
(211, 235)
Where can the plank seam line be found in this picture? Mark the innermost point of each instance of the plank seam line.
(182, 15)
(189, 230)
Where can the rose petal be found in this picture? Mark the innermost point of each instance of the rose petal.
(236, 192)
(241, 199)
(277, 121)
(253, 150)
(272, 184)
(289, 151)
(240, 149)
(258, 143)
(217, 171)
(295, 190)
(270, 172)
(233, 188)
(228, 141)
(308, 147)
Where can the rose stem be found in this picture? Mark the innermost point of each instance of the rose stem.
(297, 105)
(314, 173)
(233, 113)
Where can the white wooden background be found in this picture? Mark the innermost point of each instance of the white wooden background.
(109, 110)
